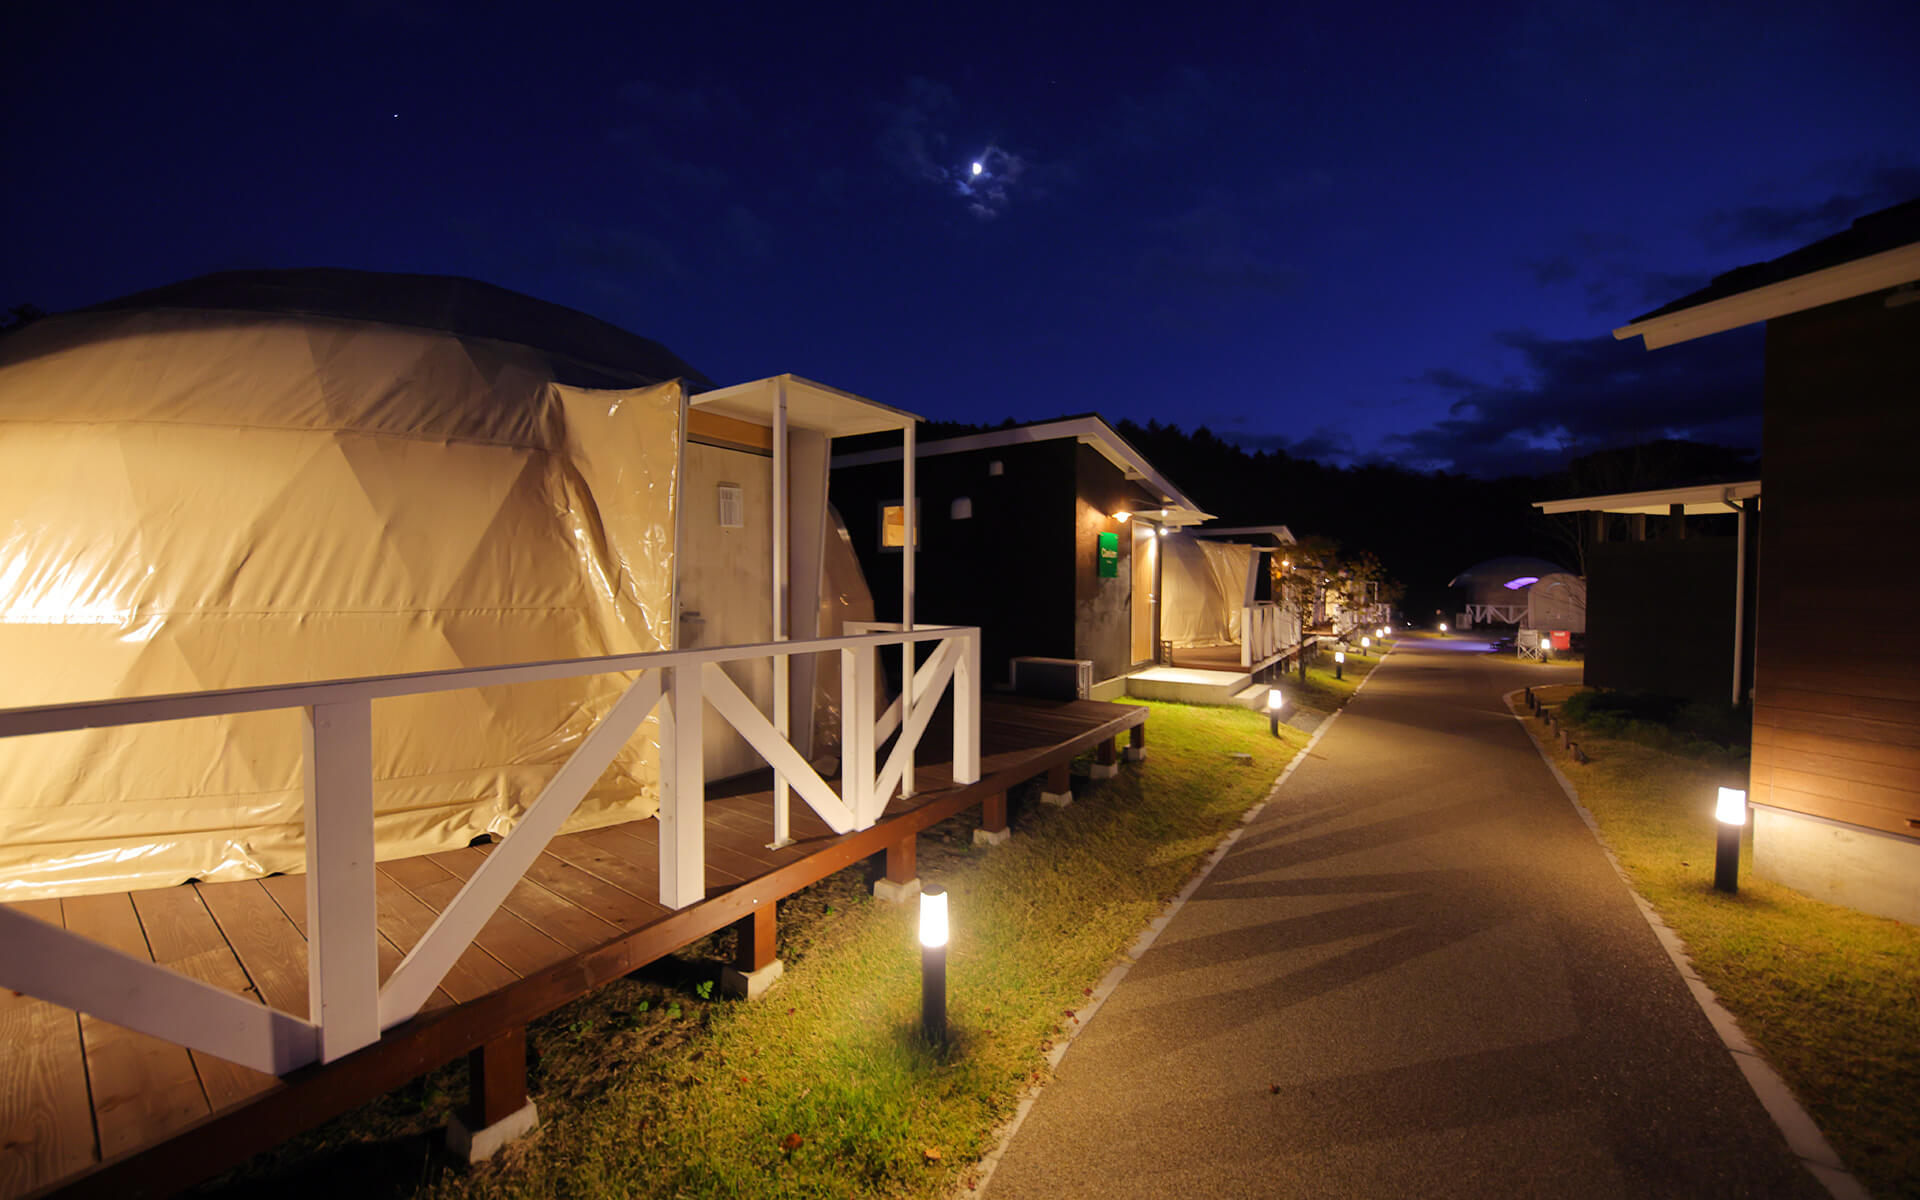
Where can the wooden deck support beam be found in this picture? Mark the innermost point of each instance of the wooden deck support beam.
(1106, 759)
(497, 1109)
(1137, 740)
(1058, 789)
(754, 966)
(900, 878)
(993, 829)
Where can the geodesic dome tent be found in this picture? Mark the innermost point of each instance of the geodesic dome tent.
(272, 477)
(1500, 591)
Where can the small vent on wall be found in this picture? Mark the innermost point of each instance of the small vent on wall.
(733, 508)
(962, 508)
(996, 467)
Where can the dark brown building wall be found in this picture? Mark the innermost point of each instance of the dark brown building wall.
(1836, 728)
(1009, 569)
(1660, 617)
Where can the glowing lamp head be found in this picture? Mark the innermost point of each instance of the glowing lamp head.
(1365, 642)
(1443, 627)
(1274, 699)
(1122, 517)
(1163, 531)
(977, 168)
(1339, 656)
(1732, 806)
(933, 916)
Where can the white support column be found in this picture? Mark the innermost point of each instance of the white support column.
(966, 711)
(906, 600)
(343, 964)
(856, 730)
(1739, 598)
(683, 851)
(782, 694)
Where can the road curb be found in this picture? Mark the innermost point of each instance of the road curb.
(1804, 1138)
(1105, 988)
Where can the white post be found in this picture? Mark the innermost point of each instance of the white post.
(906, 606)
(856, 730)
(343, 965)
(683, 852)
(1739, 599)
(966, 711)
(782, 664)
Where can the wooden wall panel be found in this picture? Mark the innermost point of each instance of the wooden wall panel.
(1837, 698)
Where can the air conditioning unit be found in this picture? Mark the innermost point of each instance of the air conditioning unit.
(1054, 678)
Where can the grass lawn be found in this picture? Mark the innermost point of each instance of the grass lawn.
(1830, 996)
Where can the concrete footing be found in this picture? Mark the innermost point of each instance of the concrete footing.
(1102, 770)
(750, 985)
(1057, 799)
(479, 1145)
(896, 893)
(991, 837)
(1133, 754)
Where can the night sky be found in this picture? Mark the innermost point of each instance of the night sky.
(1353, 231)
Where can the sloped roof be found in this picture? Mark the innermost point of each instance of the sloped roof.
(1089, 429)
(1879, 250)
(586, 351)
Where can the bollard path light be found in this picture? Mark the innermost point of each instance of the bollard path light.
(1443, 627)
(933, 964)
(1339, 663)
(1732, 813)
(1364, 644)
(1275, 701)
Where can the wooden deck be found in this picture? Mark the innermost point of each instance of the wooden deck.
(95, 1109)
(1208, 658)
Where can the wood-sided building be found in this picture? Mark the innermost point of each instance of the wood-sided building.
(1670, 598)
(1835, 782)
(1046, 536)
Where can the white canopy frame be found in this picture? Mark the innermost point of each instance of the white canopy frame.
(788, 403)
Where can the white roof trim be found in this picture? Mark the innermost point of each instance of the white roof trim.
(1090, 431)
(1704, 500)
(1876, 272)
(1279, 533)
(810, 405)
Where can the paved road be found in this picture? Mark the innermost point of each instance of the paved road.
(1416, 974)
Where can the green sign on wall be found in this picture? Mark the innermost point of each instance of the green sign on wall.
(1109, 556)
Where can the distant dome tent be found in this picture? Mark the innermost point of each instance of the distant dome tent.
(1525, 592)
(260, 478)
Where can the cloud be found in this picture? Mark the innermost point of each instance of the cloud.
(915, 141)
(1573, 396)
(1772, 224)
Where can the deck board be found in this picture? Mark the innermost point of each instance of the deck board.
(144, 1088)
(586, 912)
(46, 1114)
(182, 934)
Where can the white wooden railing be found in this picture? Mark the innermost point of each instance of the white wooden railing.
(348, 1007)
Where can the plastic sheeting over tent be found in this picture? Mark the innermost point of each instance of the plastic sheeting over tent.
(198, 499)
(1557, 601)
(1203, 587)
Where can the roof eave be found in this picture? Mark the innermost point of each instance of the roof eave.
(1874, 273)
